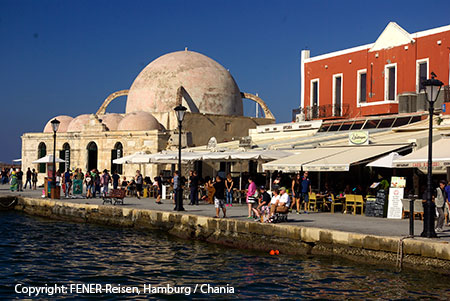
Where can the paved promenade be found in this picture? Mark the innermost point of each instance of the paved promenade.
(333, 221)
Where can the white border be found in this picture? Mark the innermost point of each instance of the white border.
(418, 62)
(378, 103)
(341, 75)
(386, 81)
(358, 85)
(415, 35)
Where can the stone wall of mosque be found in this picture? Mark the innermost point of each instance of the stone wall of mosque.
(106, 142)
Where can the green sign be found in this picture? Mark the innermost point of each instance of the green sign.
(360, 137)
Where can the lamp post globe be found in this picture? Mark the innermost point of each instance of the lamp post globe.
(179, 111)
(55, 125)
(432, 88)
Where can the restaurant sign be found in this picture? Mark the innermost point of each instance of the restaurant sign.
(358, 138)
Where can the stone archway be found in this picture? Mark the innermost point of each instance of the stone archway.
(92, 156)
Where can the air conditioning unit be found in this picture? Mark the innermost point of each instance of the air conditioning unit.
(300, 117)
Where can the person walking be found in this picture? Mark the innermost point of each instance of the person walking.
(28, 179)
(34, 178)
(219, 197)
(296, 193)
(105, 179)
(306, 190)
(67, 180)
(89, 183)
(251, 196)
(193, 186)
(229, 185)
(175, 185)
(447, 191)
(19, 175)
(440, 200)
(115, 179)
(139, 182)
(159, 180)
(13, 180)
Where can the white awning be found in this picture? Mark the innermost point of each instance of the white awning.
(295, 162)
(385, 161)
(260, 155)
(419, 158)
(331, 158)
(48, 159)
(128, 159)
(351, 156)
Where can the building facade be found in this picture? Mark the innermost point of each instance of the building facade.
(375, 79)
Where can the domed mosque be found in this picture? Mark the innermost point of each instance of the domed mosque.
(208, 91)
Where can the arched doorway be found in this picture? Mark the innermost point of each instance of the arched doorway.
(42, 152)
(116, 153)
(92, 155)
(65, 155)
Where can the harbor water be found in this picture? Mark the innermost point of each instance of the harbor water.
(43, 253)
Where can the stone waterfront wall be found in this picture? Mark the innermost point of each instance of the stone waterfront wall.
(295, 240)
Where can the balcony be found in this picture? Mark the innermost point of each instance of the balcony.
(326, 112)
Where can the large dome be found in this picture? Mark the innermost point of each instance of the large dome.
(77, 124)
(210, 87)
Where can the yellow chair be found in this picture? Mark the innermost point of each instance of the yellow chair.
(359, 203)
(335, 202)
(314, 202)
(349, 202)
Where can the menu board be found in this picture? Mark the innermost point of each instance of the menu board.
(375, 205)
(395, 207)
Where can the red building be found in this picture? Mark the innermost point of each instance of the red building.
(376, 79)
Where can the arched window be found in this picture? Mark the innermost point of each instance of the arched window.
(42, 152)
(92, 154)
(116, 153)
(65, 155)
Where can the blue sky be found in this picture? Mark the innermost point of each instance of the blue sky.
(66, 57)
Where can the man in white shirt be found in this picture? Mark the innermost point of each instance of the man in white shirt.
(282, 204)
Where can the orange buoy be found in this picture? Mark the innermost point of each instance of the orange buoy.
(277, 252)
(272, 252)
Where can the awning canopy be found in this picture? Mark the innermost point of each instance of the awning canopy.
(338, 158)
(385, 161)
(351, 156)
(419, 158)
(48, 159)
(129, 158)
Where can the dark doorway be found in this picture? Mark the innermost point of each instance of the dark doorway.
(92, 156)
(64, 154)
(337, 95)
(116, 153)
(42, 152)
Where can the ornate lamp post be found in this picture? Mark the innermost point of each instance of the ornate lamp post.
(432, 88)
(179, 111)
(55, 125)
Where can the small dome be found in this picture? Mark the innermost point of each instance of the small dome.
(139, 121)
(76, 125)
(111, 120)
(209, 86)
(64, 124)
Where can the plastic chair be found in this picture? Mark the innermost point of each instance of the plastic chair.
(336, 202)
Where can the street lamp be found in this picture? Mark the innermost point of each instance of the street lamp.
(432, 88)
(179, 111)
(55, 125)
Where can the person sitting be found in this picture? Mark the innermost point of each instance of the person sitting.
(124, 184)
(263, 203)
(131, 187)
(282, 204)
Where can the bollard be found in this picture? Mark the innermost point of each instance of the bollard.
(412, 198)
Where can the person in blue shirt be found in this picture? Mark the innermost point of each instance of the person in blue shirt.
(305, 190)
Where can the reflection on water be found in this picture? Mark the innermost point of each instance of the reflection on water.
(37, 251)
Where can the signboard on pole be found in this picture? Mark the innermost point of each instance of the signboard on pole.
(395, 206)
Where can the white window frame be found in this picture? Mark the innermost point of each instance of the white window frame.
(386, 82)
(418, 62)
(311, 91)
(358, 86)
(314, 80)
(341, 75)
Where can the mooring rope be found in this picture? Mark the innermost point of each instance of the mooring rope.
(399, 264)
(12, 202)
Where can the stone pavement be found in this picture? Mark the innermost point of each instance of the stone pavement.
(325, 220)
